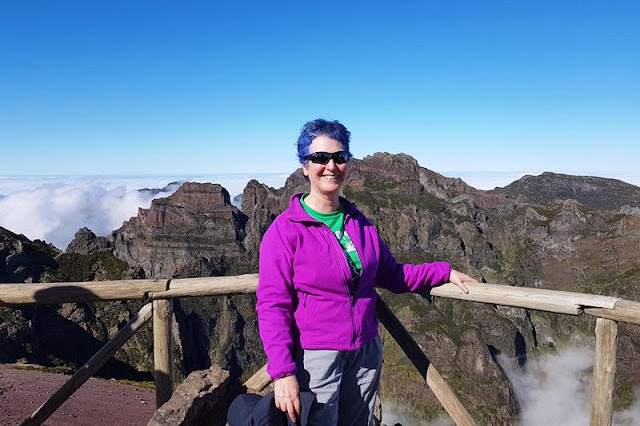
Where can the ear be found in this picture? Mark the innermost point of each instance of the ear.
(305, 169)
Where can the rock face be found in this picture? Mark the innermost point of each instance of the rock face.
(86, 242)
(22, 260)
(201, 399)
(580, 238)
(197, 232)
(194, 232)
(71, 333)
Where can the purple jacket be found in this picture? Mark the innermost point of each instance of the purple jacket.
(305, 295)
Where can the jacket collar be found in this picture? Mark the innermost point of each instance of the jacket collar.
(296, 212)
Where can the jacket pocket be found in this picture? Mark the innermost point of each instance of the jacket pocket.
(301, 316)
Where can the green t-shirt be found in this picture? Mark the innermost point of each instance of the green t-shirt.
(335, 222)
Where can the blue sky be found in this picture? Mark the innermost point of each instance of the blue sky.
(153, 87)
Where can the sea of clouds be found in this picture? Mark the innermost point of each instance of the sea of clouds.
(552, 390)
(53, 208)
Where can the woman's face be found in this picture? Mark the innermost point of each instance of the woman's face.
(326, 179)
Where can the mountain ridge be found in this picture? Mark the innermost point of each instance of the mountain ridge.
(591, 191)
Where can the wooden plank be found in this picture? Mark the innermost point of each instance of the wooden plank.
(163, 350)
(524, 297)
(94, 291)
(89, 369)
(209, 286)
(604, 372)
(624, 311)
(258, 381)
(435, 381)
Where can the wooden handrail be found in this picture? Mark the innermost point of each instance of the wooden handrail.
(522, 297)
(93, 291)
(624, 311)
(562, 302)
(607, 309)
(209, 286)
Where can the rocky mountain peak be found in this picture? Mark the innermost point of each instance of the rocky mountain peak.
(86, 242)
(255, 194)
(201, 197)
(397, 165)
(193, 232)
(590, 191)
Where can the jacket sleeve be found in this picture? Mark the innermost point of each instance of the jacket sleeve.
(275, 301)
(403, 278)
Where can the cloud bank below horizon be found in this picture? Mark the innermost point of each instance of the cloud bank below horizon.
(54, 212)
(53, 208)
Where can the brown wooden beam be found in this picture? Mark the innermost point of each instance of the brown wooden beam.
(440, 388)
(604, 372)
(163, 350)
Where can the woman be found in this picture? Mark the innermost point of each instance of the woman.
(319, 262)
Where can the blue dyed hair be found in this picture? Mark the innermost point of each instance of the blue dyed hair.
(320, 127)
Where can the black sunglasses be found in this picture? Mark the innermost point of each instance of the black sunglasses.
(339, 157)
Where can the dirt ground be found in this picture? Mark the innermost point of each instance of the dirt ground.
(97, 403)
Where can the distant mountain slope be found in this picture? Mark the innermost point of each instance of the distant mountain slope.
(23, 260)
(593, 192)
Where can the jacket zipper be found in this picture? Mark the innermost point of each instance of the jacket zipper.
(347, 282)
(339, 254)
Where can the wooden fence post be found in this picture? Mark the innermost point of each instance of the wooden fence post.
(163, 349)
(604, 372)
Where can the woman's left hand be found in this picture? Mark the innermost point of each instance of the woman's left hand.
(458, 278)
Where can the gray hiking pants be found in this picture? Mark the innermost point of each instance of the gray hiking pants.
(345, 383)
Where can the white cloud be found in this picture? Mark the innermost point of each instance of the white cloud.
(53, 208)
(234, 183)
(557, 389)
(55, 211)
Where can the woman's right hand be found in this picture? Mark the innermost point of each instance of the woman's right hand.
(287, 396)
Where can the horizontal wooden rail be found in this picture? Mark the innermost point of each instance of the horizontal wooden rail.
(208, 286)
(624, 311)
(562, 302)
(94, 291)
(523, 297)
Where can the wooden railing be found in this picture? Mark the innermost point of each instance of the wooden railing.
(608, 310)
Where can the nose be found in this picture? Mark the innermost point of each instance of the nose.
(331, 165)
